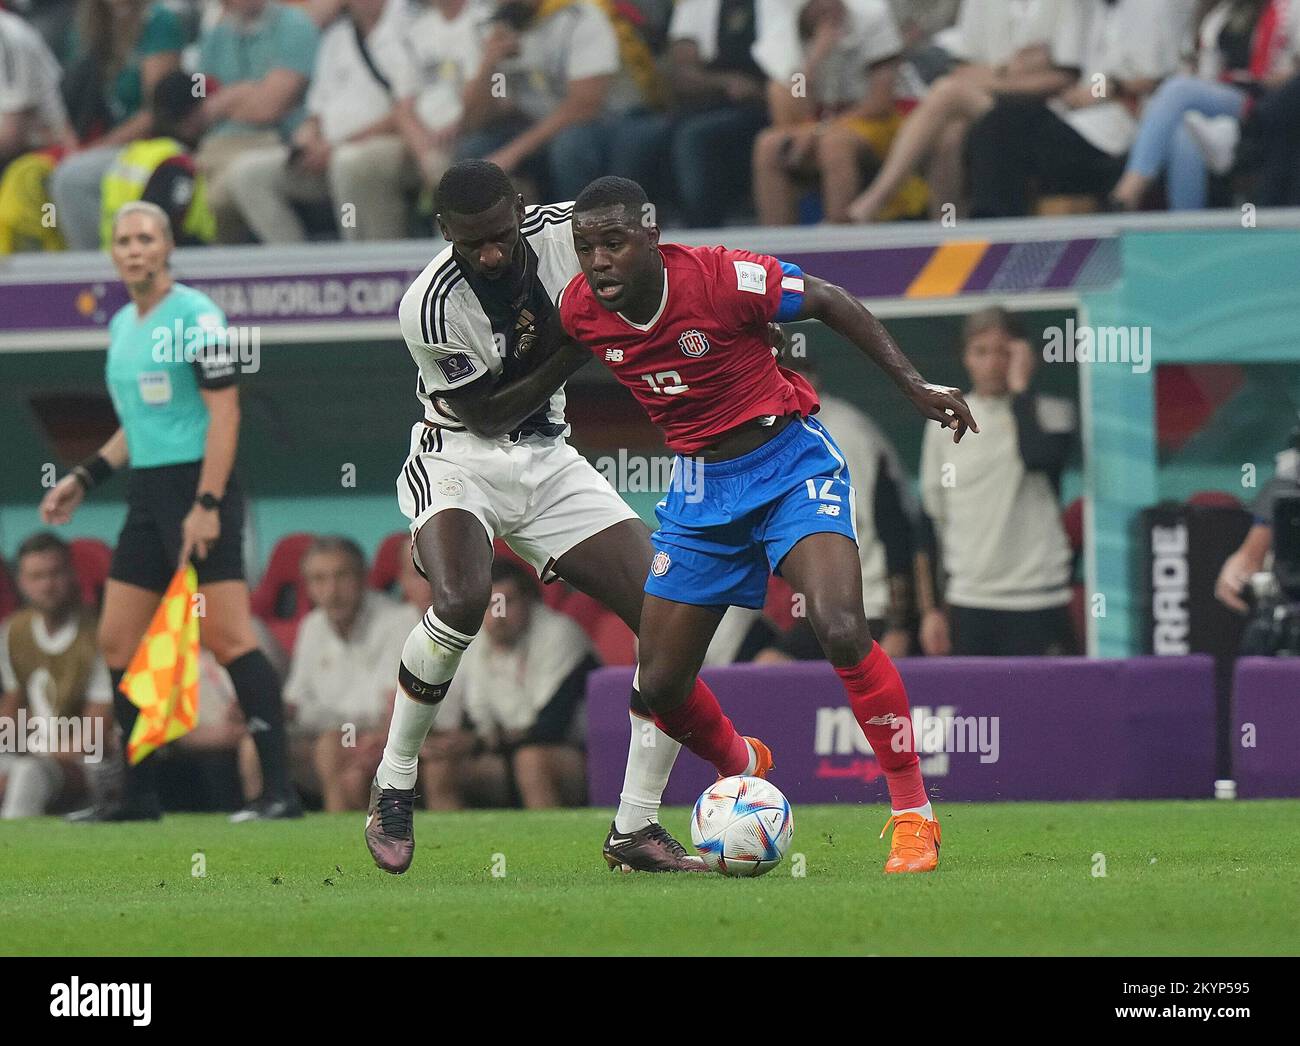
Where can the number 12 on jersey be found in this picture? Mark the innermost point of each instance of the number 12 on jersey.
(669, 382)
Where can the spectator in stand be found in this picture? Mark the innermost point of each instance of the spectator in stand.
(161, 170)
(886, 518)
(833, 67)
(1190, 127)
(994, 505)
(125, 48)
(1075, 143)
(1004, 48)
(31, 109)
(341, 682)
(1270, 145)
(348, 150)
(50, 666)
(719, 104)
(551, 96)
(442, 49)
(255, 62)
(520, 689)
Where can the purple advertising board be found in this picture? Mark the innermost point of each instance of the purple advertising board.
(985, 729)
(1266, 715)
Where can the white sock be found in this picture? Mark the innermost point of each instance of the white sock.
(433, 651)
(650, 757)
(926, 811)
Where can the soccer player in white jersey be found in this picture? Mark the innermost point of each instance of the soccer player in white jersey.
(489, 460)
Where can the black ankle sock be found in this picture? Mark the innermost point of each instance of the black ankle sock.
(141, 792)
(258, 691)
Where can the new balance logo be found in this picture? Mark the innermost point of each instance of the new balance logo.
(882, 720)
(613, 355)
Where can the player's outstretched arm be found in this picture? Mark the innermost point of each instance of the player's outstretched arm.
(490, 410)
(847, 316)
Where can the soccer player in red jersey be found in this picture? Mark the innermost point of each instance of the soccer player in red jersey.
(685, 329)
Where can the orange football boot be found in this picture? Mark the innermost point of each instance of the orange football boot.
(915, 846)
(762, 758)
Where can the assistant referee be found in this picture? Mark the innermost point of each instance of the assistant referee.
(172, 378)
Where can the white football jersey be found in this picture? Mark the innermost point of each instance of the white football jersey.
(459, 326)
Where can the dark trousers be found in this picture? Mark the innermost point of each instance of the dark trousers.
(1271, 145)
(1010, 633)
(1020, 147)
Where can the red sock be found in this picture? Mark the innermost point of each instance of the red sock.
(879, 700)
(699, 724)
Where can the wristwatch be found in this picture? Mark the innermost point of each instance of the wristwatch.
(208, 500)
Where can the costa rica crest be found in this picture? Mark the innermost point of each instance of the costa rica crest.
(693, 342)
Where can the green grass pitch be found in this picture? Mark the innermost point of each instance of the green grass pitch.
(1180, 878)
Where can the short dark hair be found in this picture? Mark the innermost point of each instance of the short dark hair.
(340, 544)
(504, 569)
(611, 191)
(995, 316)
(472, 187)
(44, 541)
(174, 99)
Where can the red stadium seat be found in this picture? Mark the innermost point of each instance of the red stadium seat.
(1214, 499)
(387, 566)
(1072, 521)
(614, 642)
(280, 598)
(8, 592)
(779, 608)
(91, 559)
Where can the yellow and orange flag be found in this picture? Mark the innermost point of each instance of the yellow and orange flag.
(163, 677)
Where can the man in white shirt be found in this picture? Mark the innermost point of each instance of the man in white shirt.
(551, 97)
(994, 505)
(520, 693)
(440, 49)
(348, 150)
(1076, 142)
(50, 667)
(341, 679)
(31, 108)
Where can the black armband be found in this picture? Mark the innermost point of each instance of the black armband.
(93, 471)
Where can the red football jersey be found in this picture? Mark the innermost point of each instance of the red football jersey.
(703, 364)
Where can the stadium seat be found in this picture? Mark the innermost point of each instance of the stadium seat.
(1214, 499)
(1072, 522)
(91, 559)
(280, 598)
(388, 561)
(779, 608)
(614, 642)
(8, 592)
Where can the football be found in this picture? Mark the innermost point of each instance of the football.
(742, 826)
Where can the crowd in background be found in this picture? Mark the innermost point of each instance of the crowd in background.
(511, 730)
(274, 121)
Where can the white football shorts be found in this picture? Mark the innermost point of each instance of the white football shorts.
(539, 494)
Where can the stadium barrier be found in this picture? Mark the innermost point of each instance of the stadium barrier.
(985, 729)
(1266, 713)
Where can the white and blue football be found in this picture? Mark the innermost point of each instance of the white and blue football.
(742, 826)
